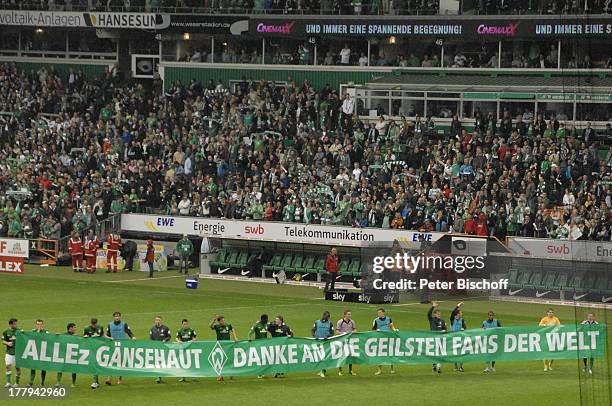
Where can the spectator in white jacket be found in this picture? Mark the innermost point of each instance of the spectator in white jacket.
(184, 205)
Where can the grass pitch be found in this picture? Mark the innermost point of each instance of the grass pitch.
(59, 296)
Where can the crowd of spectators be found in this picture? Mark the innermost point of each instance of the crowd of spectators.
(343, 7)
(536, 56)
(74, 151)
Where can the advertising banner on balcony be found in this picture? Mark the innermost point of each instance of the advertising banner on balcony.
(271, 231)
(482, 29)
(596, 251)
(100, 356)
(13, 247)
(209, 24)
(190, 23)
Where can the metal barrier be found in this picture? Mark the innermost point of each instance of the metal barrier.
(110, 225)
(102, 229)
(46, 249)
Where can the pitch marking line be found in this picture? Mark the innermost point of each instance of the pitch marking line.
(145, 279)
(128, 315)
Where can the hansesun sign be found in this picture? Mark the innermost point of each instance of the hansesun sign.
(433, 27)
(160, 22)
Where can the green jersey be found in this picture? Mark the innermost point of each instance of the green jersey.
(260, 330)
(10, 335)
(184, 247)
(40, 331)
(186, 334)
(223, 332)
(93, 331)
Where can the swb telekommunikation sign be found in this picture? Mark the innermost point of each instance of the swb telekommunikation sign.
(56, 352)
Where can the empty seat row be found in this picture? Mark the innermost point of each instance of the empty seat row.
(597, 282)
(288, 262)
(299, 263)
(231, 258)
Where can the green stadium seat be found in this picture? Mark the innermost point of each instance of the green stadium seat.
(221, 255)
(319, 266)
(524, 278)
(285, 263)
(230, 259)
(589, 282)
(548, 281)
(296, 264)
(355, 267)
(518, 276)
(535, 280)
(560, 283)
(601, 283)
(609, 288)
(513, 275)
(241, 260)
(274, 262)
(344, 266)
(575, 282)
(307, 264)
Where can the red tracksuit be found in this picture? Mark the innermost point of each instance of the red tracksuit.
(112, 250)
(75, 246)
(90, 254)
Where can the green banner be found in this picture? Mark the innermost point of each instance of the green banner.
(57, 352)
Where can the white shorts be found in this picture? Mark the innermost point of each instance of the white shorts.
(9, 359)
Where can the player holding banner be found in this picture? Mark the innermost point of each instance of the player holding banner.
(9, 337)
(184, 335)
(323, 329)
(346, 325)
(113, 242)
(491, 322)
(590, 320)
(549, 320)
(94, 330)
(383, 323)
(118, 330)
(75, 246)
(39, 328)
(70, 330)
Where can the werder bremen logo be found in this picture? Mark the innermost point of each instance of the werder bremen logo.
(217, 358)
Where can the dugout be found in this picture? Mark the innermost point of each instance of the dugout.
(299, 261)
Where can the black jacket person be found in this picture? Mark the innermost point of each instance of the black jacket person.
(128, 252)
(159, 332)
